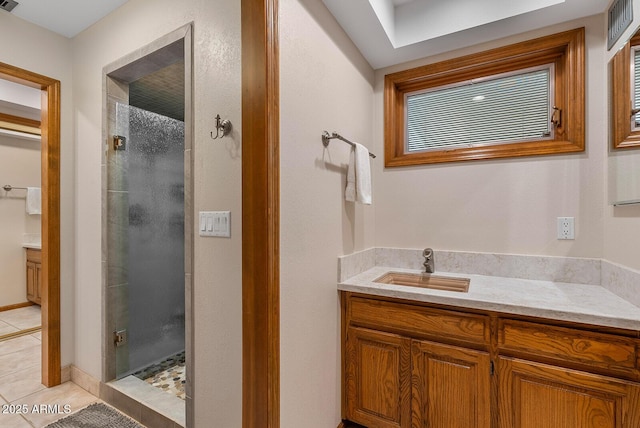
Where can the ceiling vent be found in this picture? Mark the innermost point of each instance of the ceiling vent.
(620, 17)
(8, 5)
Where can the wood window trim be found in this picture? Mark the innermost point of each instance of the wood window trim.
(622, 135)
(565, 50)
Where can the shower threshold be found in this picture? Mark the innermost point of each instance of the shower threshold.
(156, 400)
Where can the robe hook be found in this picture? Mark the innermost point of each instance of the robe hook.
(223, 127)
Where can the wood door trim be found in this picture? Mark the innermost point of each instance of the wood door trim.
(20, 124)
(260, 215)
(50, 220)
(15, 306)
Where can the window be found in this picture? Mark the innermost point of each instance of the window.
(506, 108)
(635, 87)
(519, 100)
(625, 96)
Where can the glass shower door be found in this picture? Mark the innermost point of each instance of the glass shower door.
(152, 171)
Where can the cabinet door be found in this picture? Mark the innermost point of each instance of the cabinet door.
(533, 395)
(377, 378)
(451, 386)
(31, 281)
(37, 280)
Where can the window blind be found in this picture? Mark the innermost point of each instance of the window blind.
(499, 109)
(636, 84)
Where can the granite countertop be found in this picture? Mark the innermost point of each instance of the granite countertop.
(34, 246)
(581, 303)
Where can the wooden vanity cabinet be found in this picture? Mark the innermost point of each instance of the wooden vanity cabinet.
(534, 395)
(555, 376)
(378, 378)
(451, 386)
(415, 365)
(396, 376)
(34, 269)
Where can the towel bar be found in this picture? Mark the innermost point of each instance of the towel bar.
(8, 188)
(326, 138)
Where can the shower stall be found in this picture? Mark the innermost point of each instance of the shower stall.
(147, 189)
(151, 156)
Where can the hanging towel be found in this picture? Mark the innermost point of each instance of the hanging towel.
(350, 191)
(359, 176)
(34, 204)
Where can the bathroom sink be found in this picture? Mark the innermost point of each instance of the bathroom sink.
(425, 280)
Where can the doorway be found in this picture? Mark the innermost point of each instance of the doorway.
(148, 316)
(50, 217)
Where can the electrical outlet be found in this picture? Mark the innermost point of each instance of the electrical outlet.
(566, 228)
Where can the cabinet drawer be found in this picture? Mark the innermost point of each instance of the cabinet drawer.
(609, 353)
(419, 321)
(34, 255)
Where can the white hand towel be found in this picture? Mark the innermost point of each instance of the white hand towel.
(34, 200)
(350, 191)
(359, 176)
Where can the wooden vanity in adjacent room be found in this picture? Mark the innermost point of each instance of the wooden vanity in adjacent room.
(34, 269)
(409, 363)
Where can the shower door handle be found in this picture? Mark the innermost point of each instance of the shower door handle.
(119, 337)
(119, 142)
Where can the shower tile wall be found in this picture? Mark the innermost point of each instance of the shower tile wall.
(115, 237)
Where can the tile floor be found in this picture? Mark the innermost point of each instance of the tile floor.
(19, 319)
(21, 393)
(168, 375)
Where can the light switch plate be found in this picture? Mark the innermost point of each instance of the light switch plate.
(215, 223)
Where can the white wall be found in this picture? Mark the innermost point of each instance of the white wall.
(217, 176)
(325, 84)
(41, 51)
(502, 206)
(19, 166)
(622, 224)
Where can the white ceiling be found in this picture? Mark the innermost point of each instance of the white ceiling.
(19, 94)
(65, 17)
(19, 100)
(389, 32)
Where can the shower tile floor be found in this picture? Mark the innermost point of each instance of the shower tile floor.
(168, 375)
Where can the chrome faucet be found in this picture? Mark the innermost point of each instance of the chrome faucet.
(429, 266)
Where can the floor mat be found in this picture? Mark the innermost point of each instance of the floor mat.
(97, 415)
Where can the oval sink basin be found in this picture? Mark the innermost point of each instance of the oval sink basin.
(425, 280)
